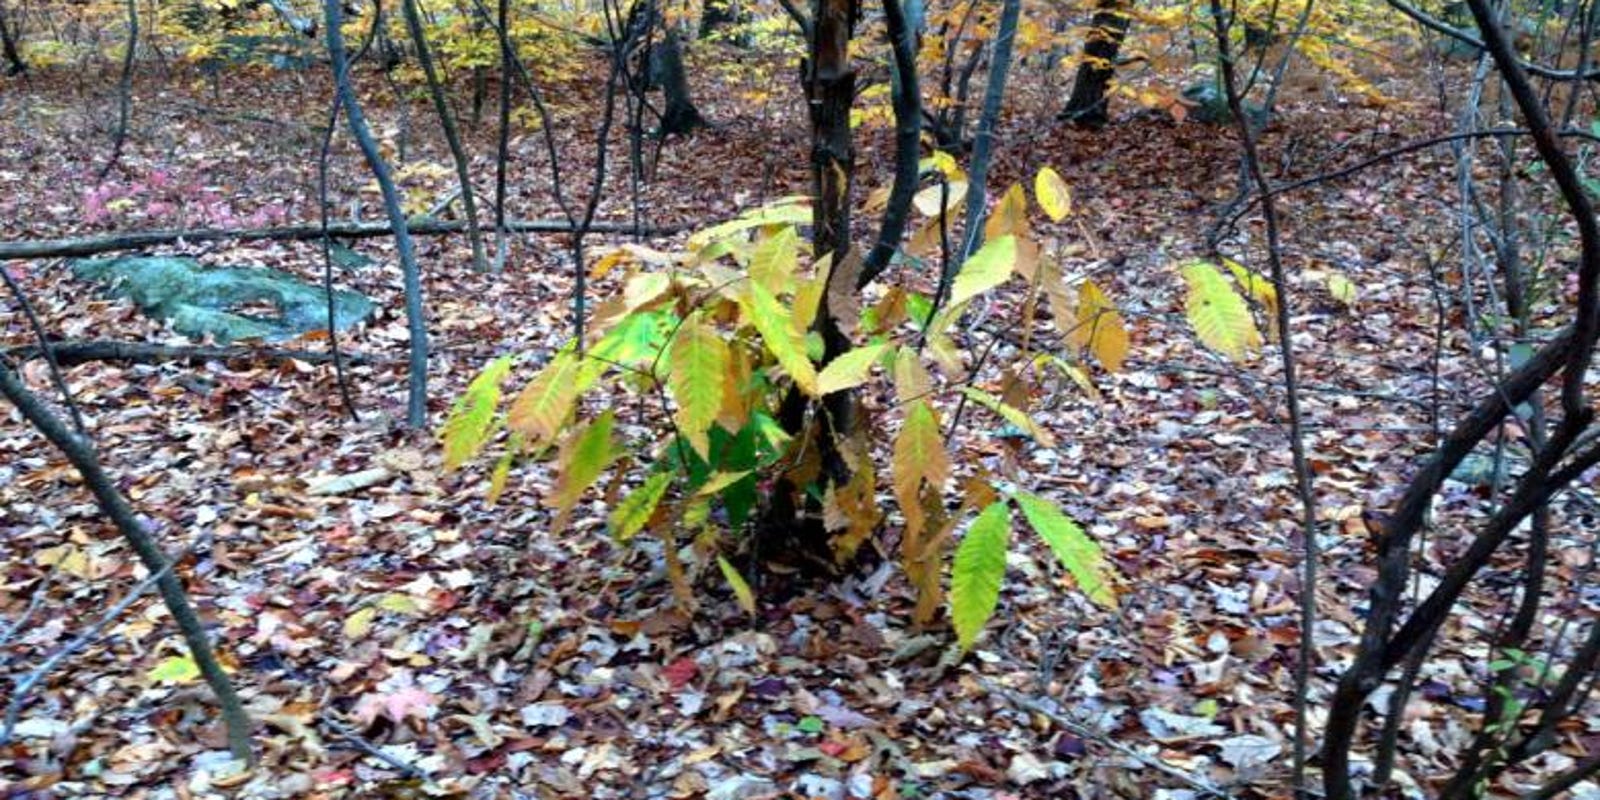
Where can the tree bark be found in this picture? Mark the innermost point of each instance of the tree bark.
(447, 120)
(121, 513)
(681, 116)
(15, 65)
(1086, 107)
(416, 324)
(72, 353)
(93, 245)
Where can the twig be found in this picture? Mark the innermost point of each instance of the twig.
(1078, 729)
(22, 686)
(355, 739)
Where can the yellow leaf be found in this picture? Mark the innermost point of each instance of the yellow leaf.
(782, 340)
(540, 410)
(773, 263)
(927, 200)
(1218, 314)
(911, 379)
(1010, 217)
(584, 455)
(358, 624)
(850, 369)
(919, 456)
(719, 481)
(177, 669)
(741, 589)
(1011, 414)
(1053, 195)
(1100, 327)
(808, 296)
(1342, 289)
(634, 512)
(399, 603)
(699, 368)
(986, 269)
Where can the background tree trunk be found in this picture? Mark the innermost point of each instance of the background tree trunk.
(1087, 105)
(9, 45)
(681, 116)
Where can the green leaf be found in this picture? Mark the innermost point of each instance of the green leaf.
(699, 368)
(774, 261)
(471, 419)
(1219, 315)
(986, 269)
(811, 725)
(979, 568)
(741, 589)
(785, 343)
(584, 455)
(1073, 548)
(850, 369)
(634, 512)
(177, 669)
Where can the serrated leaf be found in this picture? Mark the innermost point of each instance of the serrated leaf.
(911, 379)
(1100, 327)
(719, 481)
(471, 420)
(502, 470)
(919, 456)
(358, 624)
(783, 341)
(541, 408)
(850, 369)
(699, 370)
(986, 269)
(584, 455)
(741, 589)
(1219, 315)
(1052, 193)
(976, 575)
(808, 296)
(773, 262)
(788, 210)
(1016, 416)
(1073, 548)
(634, 512)
(177, 669)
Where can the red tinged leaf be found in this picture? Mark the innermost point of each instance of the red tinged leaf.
(680, 672)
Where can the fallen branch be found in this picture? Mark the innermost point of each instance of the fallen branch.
(82, 352)
(92, 245)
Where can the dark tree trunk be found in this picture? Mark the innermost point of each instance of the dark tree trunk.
(8, 45)
(718, 13)
(1087, 105)
(680, 116)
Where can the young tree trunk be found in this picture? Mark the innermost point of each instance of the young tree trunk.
(115, 506)
(1087, 105)
(680, 116)
(416, 324)
(441, 106)
(9, 46)
(503, 142)
(791, 530)
(124, 91)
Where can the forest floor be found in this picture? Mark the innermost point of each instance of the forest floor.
(500, 661)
